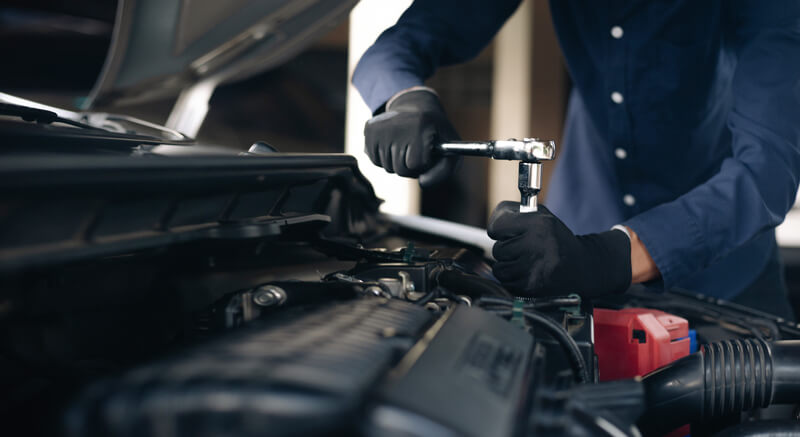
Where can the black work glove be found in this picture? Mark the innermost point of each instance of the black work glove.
(402, 139)
(537, 254)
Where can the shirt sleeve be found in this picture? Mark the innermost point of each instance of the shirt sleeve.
(756, 186)
(431, 33)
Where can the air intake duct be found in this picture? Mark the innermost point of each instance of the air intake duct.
(722, 378)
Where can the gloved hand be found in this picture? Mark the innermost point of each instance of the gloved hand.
(402, 139)
(537, 254)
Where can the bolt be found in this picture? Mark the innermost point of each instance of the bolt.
(374, 290)
(433, 306)
(269, 295)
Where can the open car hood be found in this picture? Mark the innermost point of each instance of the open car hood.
(161, 47)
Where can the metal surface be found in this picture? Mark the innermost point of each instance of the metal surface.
(530, 152)
(269, 295)
(526, 150)
(120, 124)
(529, 182)
(409, 289)
(191, 107)
(394, 286)
(469, 235)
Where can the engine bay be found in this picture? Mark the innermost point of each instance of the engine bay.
(399, 337)
(268, 296)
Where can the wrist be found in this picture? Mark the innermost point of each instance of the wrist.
(610, 261)
(412, 89)
(415, 99)
(618, 261)
(643, 267)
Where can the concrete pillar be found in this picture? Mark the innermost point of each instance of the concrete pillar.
(367, 20)
(511, 103)
(529, 92)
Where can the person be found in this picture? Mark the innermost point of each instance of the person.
(681, 150)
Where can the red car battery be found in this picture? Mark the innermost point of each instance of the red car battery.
(635, 341)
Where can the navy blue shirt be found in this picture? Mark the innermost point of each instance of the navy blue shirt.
(683, 124)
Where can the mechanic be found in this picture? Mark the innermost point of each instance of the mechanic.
(682, 137)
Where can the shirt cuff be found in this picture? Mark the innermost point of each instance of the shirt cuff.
(673, 239)
(377, 86)
(410, 90)
(623, 229)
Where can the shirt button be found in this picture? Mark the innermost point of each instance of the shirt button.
(617, 97)
(621, 153)
(617, 32)
(629, 200)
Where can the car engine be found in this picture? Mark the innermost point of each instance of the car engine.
(159, 295)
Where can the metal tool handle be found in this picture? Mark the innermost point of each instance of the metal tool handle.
(526, 150)
(468, 148)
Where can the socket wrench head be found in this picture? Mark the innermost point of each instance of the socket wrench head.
(529, 182)
(527, 150)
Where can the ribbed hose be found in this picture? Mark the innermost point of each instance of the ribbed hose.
(723, 378)
(738, 376)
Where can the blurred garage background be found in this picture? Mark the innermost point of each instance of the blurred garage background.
(53, 51)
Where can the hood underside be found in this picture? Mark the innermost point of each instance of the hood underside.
(161, 47)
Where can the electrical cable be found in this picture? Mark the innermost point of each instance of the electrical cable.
(471, 285)
(559, 301)
(494, 301)
(567, 342)
(425, 299)
(563, 338)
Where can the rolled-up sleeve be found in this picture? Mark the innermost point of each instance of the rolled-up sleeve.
(431, 33)
(756, 186)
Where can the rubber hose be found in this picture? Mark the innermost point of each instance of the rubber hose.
(763, 428)
(723, 378)
(471, 285)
